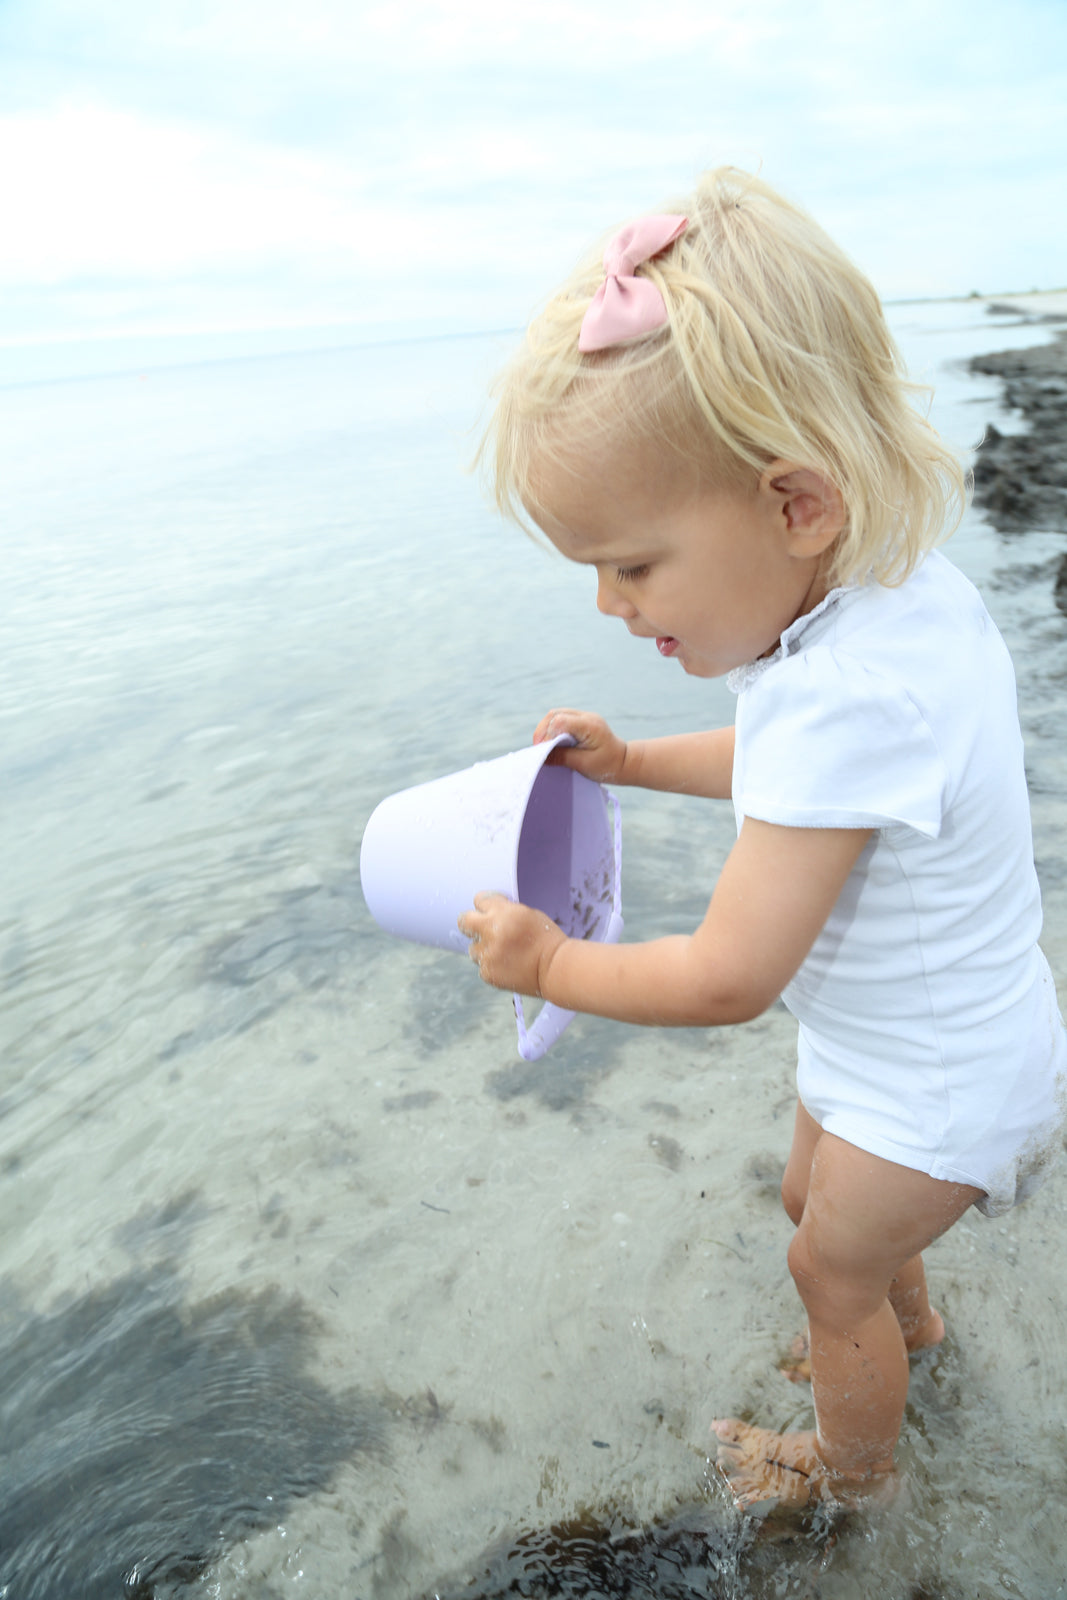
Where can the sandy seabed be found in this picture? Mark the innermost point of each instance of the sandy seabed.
(388, 1312)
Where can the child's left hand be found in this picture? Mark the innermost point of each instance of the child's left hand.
(511, 944)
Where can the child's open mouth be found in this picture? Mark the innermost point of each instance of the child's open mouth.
(666, 646)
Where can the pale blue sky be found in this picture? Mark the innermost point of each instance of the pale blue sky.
(200, 164)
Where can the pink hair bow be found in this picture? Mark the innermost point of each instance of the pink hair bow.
(625, 306)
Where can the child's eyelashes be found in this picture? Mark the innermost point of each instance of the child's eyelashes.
(630, 574)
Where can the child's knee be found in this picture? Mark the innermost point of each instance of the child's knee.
(794, 1197)
(823, 1289)
(829, 1289)
(802, 1268)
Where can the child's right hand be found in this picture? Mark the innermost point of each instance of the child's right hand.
(597, 753)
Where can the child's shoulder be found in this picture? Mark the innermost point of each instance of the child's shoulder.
(882, 708)
(935, 601)
(928, 643)
(932, 627)
(925, 648)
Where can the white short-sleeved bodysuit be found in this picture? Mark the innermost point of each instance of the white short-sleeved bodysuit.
(929, 1029)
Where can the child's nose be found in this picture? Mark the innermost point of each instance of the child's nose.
(609, 601)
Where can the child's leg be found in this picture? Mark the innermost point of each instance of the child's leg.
(864, 1222)
(920, 1324)
(806, 1135)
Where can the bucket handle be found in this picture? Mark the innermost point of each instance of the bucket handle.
(551, 1020)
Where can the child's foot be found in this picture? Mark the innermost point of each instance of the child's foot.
(760, 1465)
(925, 1334)
(797, 1364)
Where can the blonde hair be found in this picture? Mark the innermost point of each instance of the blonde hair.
(775, 348)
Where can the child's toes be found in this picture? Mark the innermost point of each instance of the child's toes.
(797, 1364)
(761, 1465)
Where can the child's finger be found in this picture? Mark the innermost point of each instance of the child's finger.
(555, 722)
(471, 922)
(582, 728)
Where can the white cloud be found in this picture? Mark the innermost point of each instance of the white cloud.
(582, 35)
(248, 158)
(87, 187)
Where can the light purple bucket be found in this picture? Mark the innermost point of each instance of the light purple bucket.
(542, 835)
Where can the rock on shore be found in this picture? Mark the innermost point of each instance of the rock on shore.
(1020, 479)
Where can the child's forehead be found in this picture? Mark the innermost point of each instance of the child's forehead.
(584, 506)
(575, 476)
(606, 495)
(618, 506)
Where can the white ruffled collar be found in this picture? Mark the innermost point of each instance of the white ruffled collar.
(744, 676)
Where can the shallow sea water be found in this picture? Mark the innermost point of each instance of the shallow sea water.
(307, 1283)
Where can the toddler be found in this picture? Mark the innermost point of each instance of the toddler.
(716, 421)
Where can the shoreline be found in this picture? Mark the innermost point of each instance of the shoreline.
(1020, 479)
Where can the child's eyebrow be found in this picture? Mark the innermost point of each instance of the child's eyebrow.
(608, 560)
(635, 556)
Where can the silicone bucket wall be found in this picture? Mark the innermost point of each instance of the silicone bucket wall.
(539, 834)
(427, 851)
(566, 853)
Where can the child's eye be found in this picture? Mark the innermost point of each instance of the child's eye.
(630, 574)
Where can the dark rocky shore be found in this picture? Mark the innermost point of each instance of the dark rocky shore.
(1020, 479)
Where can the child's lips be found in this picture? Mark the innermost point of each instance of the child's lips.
(666, 645)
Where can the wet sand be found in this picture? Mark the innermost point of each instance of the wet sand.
(1021, 477)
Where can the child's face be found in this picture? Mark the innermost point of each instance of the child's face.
(714, 576)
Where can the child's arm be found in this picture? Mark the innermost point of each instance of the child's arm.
(776, 890)
(688, 763)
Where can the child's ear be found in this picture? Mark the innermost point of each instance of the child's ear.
(811, 507)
